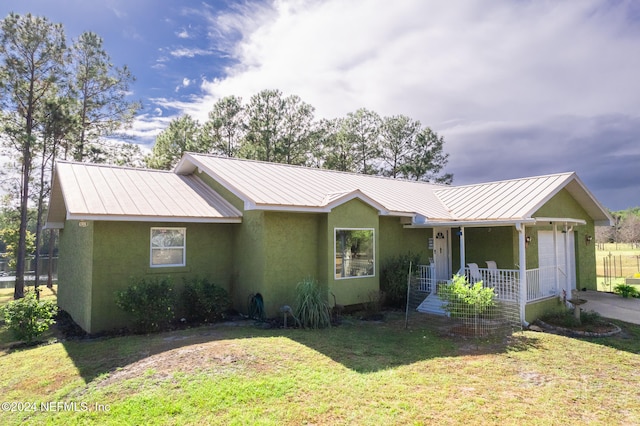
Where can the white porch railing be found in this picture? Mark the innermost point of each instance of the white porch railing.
(427, 278)
(541, 283)
(505, 282)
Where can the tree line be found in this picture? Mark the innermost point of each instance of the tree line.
(283, 129)
(58, 100)
(626, 228)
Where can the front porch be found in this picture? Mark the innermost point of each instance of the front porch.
(540, 284)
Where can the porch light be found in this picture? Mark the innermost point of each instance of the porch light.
(587, 239)
(527, 240)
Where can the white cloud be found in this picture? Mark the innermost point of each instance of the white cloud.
(495, 78)
(184, 52)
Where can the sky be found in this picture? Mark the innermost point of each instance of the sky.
(516, 87)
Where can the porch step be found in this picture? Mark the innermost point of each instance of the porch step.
(432, 305)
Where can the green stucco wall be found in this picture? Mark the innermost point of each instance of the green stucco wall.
(396, 240)
(118, 252)
(535, 310)
(75, 268)
(491, 243)
(352, 214)
(291, 254)
(565, 206)
(249, 260)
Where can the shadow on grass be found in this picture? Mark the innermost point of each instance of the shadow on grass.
(361, 346)
(628, 340)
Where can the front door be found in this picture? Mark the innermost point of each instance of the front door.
(441, 256)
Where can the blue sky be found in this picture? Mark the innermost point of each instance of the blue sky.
(516, 87)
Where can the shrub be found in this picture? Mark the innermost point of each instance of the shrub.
(393, 278)
(204, 301)
(463, 300)
(566, 318)
(150, 302)
(312, 310)
(28, 318)
(626, 290)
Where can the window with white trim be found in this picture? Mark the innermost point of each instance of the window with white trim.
(354, 253)
(168, 247)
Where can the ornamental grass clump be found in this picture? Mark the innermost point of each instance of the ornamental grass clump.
(312, 309)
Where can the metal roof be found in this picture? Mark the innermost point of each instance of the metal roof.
(83, 191)
(500, 200)
(264, 185)
(517, 199)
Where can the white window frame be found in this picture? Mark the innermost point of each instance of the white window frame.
(183, 246)
(335, 252)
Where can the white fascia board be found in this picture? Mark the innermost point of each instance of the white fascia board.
(116, 218)
(53, 225)
(472, 223)
(567, 220)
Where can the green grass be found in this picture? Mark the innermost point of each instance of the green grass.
(366, 373)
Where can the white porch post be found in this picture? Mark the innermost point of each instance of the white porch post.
(555, 259)
(463, 260)
(522, 259)
(567, 282)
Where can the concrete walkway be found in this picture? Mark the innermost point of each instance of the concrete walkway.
(611, 305)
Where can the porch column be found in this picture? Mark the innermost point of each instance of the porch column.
(556, 271)
(567, 282)
(522, 260)
(463, 261)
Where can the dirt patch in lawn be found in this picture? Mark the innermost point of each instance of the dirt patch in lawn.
(216, 357)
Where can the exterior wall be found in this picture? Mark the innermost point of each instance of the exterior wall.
(291, 254)
(249, 261)
(564, 205)
(535, 310)
(492, 243)
(75, 271)
(121, 251)
(352, 214)
(396, 240)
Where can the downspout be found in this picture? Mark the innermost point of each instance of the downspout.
(522, 260)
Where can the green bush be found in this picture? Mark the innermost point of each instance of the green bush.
(626, 290)
(463, 300)
(565, 318)
(312, 310)
(28, 318)
(204, 301)
(393, 278)
(150, 302)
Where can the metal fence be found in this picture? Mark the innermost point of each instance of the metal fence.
(500, 316)
(616, 262)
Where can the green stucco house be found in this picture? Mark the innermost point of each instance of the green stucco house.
(255, 227)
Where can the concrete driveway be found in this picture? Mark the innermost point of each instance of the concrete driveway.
(611, 305)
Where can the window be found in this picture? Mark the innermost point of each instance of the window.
(168, 247)
(354, 253)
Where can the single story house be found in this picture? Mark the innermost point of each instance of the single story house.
(256, 227)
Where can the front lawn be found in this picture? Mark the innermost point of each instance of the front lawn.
(368, 373)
